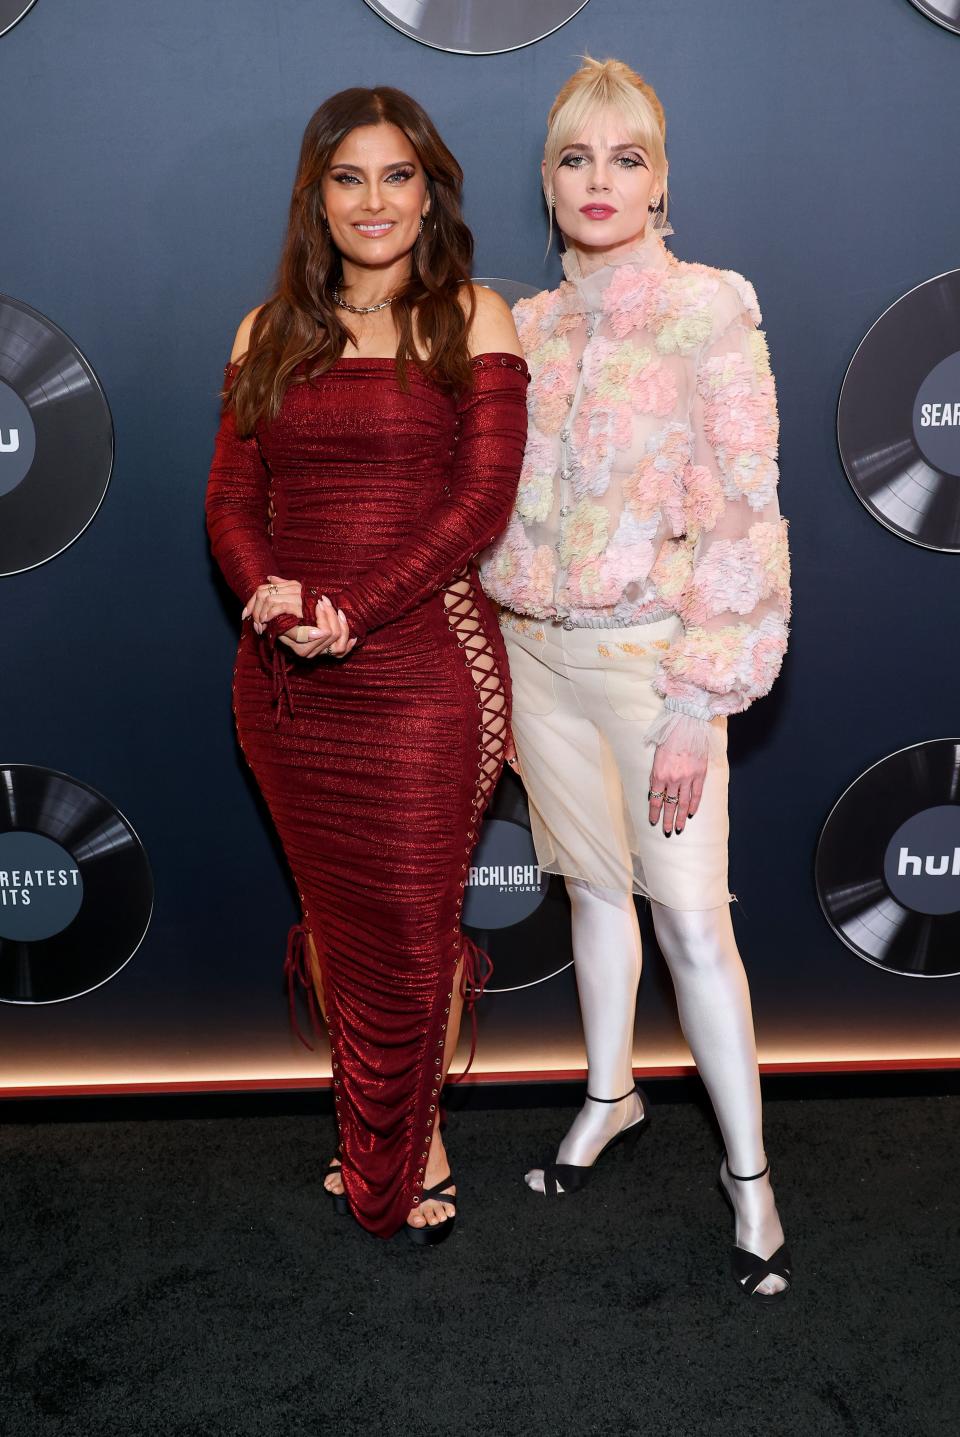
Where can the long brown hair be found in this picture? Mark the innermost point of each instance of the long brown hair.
(301, 322)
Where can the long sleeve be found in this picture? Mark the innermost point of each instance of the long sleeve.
(236, 510)
(478, 501)
(736, 601)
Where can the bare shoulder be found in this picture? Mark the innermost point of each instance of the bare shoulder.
(242, 342)
(493, 330)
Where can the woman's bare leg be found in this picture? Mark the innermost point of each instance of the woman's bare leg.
(438, 1164)
(333, 1182)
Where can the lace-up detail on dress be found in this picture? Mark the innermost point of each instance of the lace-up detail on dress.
(487, 671)
(465, 618)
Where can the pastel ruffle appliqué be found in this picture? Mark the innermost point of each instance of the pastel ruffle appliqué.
(692, 522)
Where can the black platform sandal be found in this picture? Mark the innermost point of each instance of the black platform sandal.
(341, 1203)
(749, 1270)
(561, 1178)
(429, 1236)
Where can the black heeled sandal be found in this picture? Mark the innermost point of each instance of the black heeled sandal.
(749, 1270)
(561, 1178)
(428, 1236)
(341, 1203)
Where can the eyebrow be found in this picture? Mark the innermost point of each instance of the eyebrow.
(397, 164)
(631, 145)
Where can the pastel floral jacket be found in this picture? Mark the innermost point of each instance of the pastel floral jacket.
(649, 484)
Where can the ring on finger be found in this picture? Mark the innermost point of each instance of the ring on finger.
(673, 798)
(658, 793)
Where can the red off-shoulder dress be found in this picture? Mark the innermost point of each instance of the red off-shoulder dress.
(377, 768)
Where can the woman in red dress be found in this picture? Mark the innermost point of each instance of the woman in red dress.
(370, 444)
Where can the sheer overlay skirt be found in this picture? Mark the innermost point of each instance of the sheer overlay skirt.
(582, 701)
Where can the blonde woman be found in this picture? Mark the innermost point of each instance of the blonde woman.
(644, 585)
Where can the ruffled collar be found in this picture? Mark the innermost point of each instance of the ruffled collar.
(649, 253)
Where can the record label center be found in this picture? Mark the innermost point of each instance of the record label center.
(18, 439)
(936, 415)
(922, 862)
(41, 888)
(504, 883)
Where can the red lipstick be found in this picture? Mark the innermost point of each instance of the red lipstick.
(597, 212)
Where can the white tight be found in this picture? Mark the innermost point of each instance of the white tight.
(713, 1001)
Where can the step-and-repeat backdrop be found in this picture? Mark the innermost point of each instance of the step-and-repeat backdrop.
(145, 165)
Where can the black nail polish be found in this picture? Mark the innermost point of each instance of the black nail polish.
(667, 832)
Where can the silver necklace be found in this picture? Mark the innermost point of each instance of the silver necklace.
(361, 308)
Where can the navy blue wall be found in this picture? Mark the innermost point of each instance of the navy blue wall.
(144, 175)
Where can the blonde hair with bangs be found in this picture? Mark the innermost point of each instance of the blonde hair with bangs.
(607, 85)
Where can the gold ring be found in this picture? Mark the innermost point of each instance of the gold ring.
(659, 794)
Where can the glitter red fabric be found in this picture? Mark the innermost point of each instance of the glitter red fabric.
(377, 768)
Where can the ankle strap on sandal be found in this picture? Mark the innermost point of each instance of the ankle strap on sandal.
(612, 1100)
(751, 1177)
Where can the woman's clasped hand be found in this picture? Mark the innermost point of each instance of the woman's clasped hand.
(328, 634)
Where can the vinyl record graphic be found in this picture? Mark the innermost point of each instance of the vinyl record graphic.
(76, 892)
(476, 27)
(898, 420)
(56, 439)
(11, 11)
(888, 862)
(943, 12)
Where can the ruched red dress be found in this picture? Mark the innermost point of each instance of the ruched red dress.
(377, 768)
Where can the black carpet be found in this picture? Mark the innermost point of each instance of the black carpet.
(187, 1278)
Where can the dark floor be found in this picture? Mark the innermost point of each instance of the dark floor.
(186, 1278)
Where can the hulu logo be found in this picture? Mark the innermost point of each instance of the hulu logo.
(912, 863)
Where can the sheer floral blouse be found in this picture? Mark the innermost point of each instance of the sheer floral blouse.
(649, 485)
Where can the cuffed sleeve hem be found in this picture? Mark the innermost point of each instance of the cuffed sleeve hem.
(680, 732)
(692, 710)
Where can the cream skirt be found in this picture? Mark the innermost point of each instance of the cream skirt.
(582, 701)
